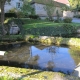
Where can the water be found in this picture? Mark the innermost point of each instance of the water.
(50, 58)
(53, 58)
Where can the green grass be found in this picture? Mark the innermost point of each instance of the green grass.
(11, 37)
(25, 74)
(41, 27)
(51, 28)
(11, 73)
(29, 21)
(47, 24)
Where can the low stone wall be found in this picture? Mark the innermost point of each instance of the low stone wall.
(56, 40)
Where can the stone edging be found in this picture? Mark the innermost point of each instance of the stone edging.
(56, 40)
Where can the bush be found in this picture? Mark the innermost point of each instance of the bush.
(67, 20)
(77, 16)
(69, 28)
(9, 15)
(58, 20)
(34, 16)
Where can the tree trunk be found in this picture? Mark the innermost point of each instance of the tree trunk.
(2, 17)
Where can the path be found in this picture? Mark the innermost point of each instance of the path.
(76, 20)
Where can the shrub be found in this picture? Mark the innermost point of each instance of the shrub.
(67, 20)
(58, 20)
(9, 15)
(34, 16)
(68, 28)
(77, 16)
(13, 10)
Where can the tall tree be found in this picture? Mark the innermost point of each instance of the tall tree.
(2, 3)
(49, 8)
(26, 8)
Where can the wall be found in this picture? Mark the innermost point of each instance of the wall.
(12, 4)
(39, 10)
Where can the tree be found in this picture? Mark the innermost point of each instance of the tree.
(49, 8)
(26, 8)
(2, 3)
(74, 3)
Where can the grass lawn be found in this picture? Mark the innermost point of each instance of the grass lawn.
(46, 28)
(43, 28)
(47, 24)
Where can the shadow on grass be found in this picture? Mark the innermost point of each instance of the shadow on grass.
(30, 74)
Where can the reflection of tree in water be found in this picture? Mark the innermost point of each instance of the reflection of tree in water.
(75, 53)
(33, 60)
(52, 49)
(50, 65)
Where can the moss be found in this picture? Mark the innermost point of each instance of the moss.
(28, 73)
(57, 40)
(31, 74)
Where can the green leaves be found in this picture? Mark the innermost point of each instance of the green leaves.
(26, 9)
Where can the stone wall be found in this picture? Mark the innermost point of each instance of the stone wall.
(56, 40)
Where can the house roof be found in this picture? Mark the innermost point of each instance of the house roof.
(62, 1)
(55, 3)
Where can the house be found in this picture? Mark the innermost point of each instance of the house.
(38, 6)
(66, 2)
(13, 4)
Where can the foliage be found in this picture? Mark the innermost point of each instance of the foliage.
(74, 4)
(58, 19)
(30, 21)
(12, 10)
(33, 16)
(7, 78)
(9, 15)
(77, 16)
(12, 38)
(19, 14)
(50, 29)
(67, 20)
(26, 8)
(66, 8)
(49, 8)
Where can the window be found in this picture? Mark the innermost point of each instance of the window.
(18, 5)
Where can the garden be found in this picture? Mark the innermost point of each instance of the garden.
(32, 29)
(39, 49)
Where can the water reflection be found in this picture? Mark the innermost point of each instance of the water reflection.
(42, 57)
(53, 58)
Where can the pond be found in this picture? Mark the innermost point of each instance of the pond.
(42, 57)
